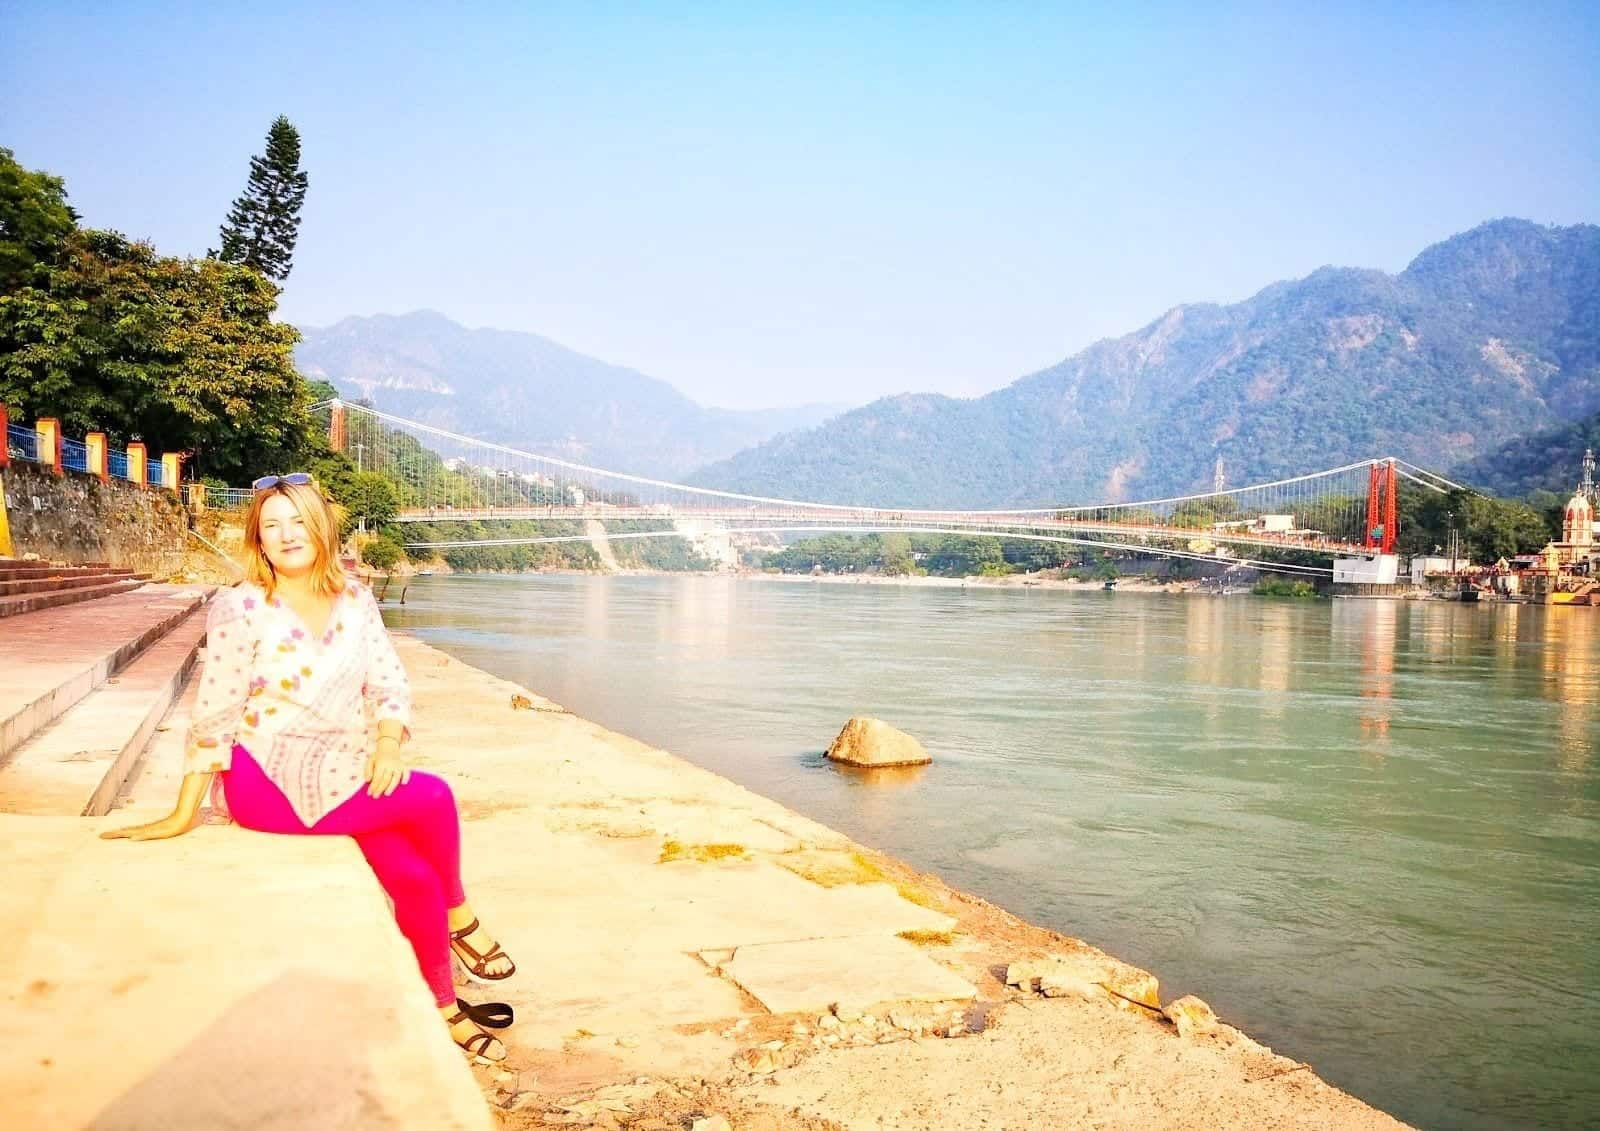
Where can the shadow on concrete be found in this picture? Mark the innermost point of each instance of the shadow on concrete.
(303, 1052)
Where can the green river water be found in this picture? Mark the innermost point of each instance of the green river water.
(1367, 832)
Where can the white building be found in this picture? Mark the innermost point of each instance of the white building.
(1367, 569)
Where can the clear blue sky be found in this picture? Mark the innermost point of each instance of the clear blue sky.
(768, 204)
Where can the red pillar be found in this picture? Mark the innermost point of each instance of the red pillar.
(336, 426)
(1391, 509)
(5, 447)
(1383, 509)
(1372, 506)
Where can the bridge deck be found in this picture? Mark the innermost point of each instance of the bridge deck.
(866, 520)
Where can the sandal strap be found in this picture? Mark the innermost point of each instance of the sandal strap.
(478, 1051)
(457, 936)
(490, 1015)
(479, 963)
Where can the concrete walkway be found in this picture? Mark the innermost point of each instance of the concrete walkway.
(619, 953)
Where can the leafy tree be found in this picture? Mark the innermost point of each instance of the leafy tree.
(1491, 528)
(115, 337)
(895, 555)
(382, 553)
(370, 497)
(35, 220)
(264, 223)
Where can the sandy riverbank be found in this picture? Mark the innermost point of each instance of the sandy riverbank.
(653, 906)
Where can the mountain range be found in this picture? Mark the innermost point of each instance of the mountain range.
(530, 392)
(1487, 336)
(1484, 343)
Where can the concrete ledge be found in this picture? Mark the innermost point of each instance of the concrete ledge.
(225, 979)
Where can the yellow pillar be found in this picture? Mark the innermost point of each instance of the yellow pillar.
(197, 497)
(95, 443)
(171, 470)
(5, 526)
(138, 471)
(49, 430)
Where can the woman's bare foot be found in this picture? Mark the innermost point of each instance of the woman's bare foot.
(477, 942)
(467, 1033)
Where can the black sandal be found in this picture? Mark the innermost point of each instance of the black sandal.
(490, 1015)
(477, 965)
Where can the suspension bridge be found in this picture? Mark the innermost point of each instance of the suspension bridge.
(1299, 524)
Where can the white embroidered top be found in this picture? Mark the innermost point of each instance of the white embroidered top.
(307, 708)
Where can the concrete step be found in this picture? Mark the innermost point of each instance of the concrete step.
(12, 567)
(25, 571)
(55, 598)
(158, 773)
(78, 764)
(49, 660)
(58, 582)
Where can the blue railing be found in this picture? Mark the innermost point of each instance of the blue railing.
(74, 455)
(22, 443)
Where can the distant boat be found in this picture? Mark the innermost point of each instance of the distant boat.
(1111, 583)
(424, 573)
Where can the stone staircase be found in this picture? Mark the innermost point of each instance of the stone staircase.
(91, 660)
(28, 586)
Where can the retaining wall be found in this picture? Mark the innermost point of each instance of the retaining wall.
(75, 518)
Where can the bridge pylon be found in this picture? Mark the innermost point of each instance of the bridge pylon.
(336, 426)
(1382, 506)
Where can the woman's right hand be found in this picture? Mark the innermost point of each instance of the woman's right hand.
(174, 824)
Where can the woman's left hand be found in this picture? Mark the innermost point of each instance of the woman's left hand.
(386, 770)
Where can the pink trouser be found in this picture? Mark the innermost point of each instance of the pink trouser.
(411, 838)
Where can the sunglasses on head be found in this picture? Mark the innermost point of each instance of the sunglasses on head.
(293, 479)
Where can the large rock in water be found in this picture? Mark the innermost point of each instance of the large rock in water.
(872, 742)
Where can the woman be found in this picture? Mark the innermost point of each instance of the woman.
(301, 710)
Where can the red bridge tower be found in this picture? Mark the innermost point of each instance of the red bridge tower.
(1382, 491)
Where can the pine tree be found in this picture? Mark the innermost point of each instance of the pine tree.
(264, 223)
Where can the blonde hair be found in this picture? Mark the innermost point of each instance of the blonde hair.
(322, 517)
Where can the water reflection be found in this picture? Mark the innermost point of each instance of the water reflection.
(1570, 676)
(881, 777)
(1369, 628)
(1277, 648)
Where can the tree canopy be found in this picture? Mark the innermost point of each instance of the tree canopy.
(106, 334)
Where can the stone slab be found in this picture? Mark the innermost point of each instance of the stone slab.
(225, 979)
(811, 974)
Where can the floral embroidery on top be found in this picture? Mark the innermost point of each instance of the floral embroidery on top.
(309, 726)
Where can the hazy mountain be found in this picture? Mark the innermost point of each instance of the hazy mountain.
(1550, 460)
(1486, 336)
(530, 392)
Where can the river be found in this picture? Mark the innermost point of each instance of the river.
(1367, 832)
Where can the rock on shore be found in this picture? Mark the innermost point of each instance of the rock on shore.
(872, 742)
